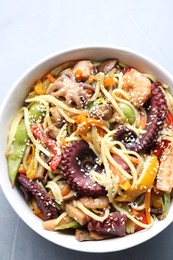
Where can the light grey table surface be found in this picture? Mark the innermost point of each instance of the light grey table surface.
(30, 30)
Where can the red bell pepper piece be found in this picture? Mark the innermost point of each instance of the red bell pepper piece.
(169, 119)
(56, 159)
(127, 70)
(159, 83)
(143, 219)
(160, 147)
(50, 143)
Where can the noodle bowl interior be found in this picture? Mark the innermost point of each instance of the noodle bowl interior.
(91, 149)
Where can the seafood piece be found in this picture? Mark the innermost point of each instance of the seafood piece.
(85, 235)
(98, 236)
(44, 201)
(85, 67)
(114, 224)
(165, 175)
(76, 214)
(120, 161)
(68, 88)
(107, 66)
(137, 86)
(40, 172)
(125, 135)
(155, 119)
(100, 202)
(52, 131)
(82, 235)
(66, 65)
(77, 162)
(51, 224)
(59, 120)
(103, 111)
(70, 196)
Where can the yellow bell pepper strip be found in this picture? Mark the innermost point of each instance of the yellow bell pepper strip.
(19, 144)
(39, 88)
(147, 179)
(84, 123)
(125, 185)
(31, 172)
(50, 143)
(42, 86)
(144, 182)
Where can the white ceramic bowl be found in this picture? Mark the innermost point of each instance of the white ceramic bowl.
(14, 101)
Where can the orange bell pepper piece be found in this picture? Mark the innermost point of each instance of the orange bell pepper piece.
(31, 172)
(51, 78)
(108, 82)
(84, 123)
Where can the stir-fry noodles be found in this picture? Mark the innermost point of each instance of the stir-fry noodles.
(91, 149)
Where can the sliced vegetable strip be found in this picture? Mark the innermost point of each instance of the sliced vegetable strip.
(144, 183)
(50, 143)
(20, 141)
(84, 123)
(18, 150)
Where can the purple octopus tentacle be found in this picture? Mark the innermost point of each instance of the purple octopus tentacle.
(43, 200)
(155, 119)
(115, 224)
(77, 162)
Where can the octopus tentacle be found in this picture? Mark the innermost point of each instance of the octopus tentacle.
(43, 200)
(77, 162)
(156, 113)
(125, 134)
(115, 224)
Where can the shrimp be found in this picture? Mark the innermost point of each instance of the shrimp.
(165, 175)
(95, 203)
(137, 86)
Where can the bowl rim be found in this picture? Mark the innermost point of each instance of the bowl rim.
(81, 247)
(76, 48)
